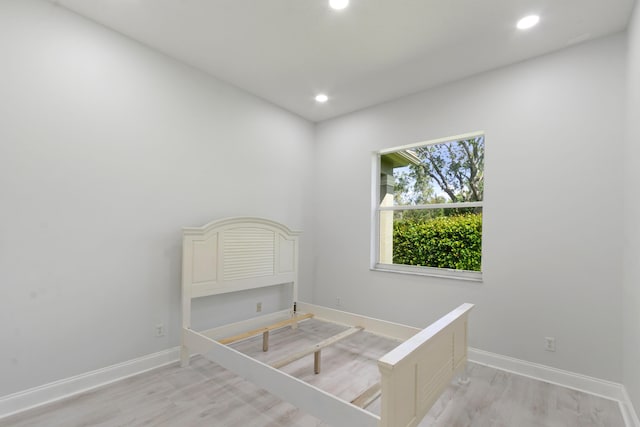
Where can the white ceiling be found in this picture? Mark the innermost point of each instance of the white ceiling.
(285, 51)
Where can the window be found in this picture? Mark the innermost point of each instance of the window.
(428, 208)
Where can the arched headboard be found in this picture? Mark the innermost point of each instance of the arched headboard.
(235, 254)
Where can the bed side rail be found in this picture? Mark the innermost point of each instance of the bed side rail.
(414, 374)
(307, 397)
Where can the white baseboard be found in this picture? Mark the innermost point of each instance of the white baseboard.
(595, 386)
(48, 393)
(607, 389)
(628, 412)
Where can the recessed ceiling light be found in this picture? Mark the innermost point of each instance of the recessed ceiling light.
(528, 22)
(338, 4)
(321, 98)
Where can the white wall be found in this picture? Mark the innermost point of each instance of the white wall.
(552, 229)
(631, 290)
(106, 150)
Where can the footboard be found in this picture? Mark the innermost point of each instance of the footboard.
(415, 373)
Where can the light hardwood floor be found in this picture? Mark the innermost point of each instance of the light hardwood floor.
(206, 395)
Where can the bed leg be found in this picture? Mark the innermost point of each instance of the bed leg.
(316, 362)
(265, 341)
(463, 378)
(184, 357)
(294, 325)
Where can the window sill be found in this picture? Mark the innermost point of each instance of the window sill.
(443, 273)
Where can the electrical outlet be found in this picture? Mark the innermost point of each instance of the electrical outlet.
(160, 330)
(550, 343)
(258, 307)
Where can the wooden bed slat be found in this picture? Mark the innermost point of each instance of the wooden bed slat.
(259, 331)
(368, 396)
(316, 348)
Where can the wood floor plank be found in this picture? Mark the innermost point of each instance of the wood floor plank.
(204, 394)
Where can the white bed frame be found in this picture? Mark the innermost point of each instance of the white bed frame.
(243, 253)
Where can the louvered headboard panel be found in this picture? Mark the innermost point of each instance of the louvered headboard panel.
(235, 254)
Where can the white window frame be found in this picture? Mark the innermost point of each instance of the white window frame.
(473, 276)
